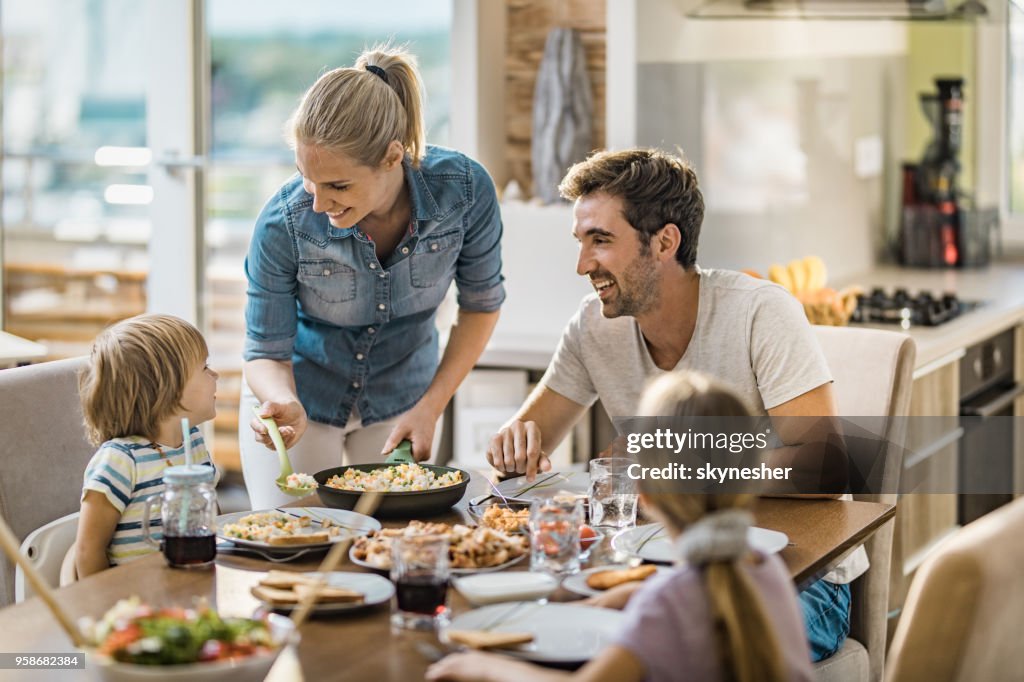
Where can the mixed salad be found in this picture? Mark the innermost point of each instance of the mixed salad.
(133, 632)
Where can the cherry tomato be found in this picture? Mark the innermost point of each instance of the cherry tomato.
(587, 536)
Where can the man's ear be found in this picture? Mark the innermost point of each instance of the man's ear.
(666, 241)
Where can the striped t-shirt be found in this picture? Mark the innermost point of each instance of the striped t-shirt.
(128, 472)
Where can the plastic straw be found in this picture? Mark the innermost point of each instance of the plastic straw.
(186, 500)
(187, 441)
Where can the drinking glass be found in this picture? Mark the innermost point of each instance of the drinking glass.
(555, 535)
(613, 494)
(419, 569)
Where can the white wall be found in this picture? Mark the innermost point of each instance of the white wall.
(834, 87)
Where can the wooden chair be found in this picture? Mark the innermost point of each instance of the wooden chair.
(964, 613)
(873, 373)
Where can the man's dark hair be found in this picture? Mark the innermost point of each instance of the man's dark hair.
(656, 189)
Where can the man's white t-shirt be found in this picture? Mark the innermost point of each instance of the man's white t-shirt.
(751, 335)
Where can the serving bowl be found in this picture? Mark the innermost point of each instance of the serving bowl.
(249, 669)
(405, 504)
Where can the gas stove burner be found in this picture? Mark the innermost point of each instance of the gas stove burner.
(906, 310)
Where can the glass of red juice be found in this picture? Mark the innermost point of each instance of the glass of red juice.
(419, 569)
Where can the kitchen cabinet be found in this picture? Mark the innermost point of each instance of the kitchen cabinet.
(937, 455)
(924, 520)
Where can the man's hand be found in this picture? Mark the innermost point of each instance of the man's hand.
(517, 449)
(291, 422)
(617, 448)
(418, 426)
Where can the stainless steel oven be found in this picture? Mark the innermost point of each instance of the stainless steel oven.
(987, 395)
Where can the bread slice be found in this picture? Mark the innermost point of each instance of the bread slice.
(302, 539)
(487, 639)
(331, 595)
(285, 580)
(274, 595)
(327, 595)
(605, 580)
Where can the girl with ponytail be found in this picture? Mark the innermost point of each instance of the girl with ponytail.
(726, 614)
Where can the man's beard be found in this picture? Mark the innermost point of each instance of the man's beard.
(637, 288)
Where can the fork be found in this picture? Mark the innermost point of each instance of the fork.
(320, 519)
(230, 548)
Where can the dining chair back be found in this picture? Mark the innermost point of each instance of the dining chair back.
(47, 548)
(872, 371)
(965, 610)
(43, 452)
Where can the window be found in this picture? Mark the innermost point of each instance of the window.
(79, 223)
(263, 55)
(75, 196)
(1016, 107)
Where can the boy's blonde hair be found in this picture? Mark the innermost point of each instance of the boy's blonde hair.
(746, 641)
(137, 374)
(357, 112)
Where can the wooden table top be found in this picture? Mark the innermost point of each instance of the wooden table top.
(821, 533)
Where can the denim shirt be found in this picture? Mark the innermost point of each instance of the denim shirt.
(361, 332)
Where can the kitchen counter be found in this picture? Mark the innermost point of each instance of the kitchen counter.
(1000, 289)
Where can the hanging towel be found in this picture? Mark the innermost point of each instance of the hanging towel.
(562, 111)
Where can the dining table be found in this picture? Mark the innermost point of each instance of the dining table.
(360, 644)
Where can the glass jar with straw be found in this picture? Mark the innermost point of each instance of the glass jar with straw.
(188, 508)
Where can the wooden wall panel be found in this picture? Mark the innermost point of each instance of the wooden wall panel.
(529, 22)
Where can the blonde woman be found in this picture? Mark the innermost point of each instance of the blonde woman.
(143, 376)
(347, 266)
(727, 613)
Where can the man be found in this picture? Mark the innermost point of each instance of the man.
(637, 217)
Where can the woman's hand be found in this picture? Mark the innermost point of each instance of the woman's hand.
(290, 416)
(416, 425)
(615, 598)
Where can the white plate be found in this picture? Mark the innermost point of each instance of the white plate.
(547, 484)
(491, 588)
(375, 589)
(652, 543)
(562, 633)
(577, 582)
(348, 521)
(454, 571)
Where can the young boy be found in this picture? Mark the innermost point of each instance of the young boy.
(144, 375)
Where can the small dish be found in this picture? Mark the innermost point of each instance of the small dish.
(491, 588)
(376, 590)
(477, 511)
